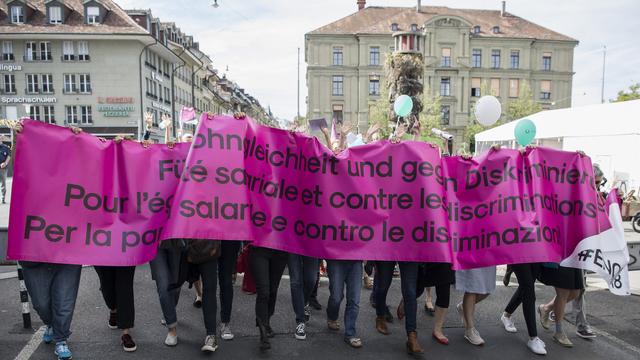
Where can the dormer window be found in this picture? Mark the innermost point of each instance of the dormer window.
(496, 29)
(17, 14)
(414, 27)
(93, 15)
(476, 29)
(394, 27)
(55, 15)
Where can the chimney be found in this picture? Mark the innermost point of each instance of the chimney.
(361, 4)
(419, 6)
(504, 9)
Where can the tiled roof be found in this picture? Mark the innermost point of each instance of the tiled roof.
(116, 22)
(378, 20)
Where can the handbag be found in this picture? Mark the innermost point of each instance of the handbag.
(202, 251)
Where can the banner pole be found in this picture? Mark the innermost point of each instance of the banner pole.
(24, 299)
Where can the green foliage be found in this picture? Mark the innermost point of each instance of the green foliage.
(633, 94)
(524, 105)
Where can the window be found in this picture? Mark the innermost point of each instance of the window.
(445, 114)
(515, 59)
(71, 115)
(414, 27)
(545, 89)
(337, 114)
(17, 14)
(45, 51)
(55, 15)
(34, 112)
(514, 88)
(394, 27)
(338, 88)
(445, 86)
(47, 84)
(546, 61)
(476, 58)
(93, 15)
(338, 57)
(70, 83)
(85, 115)
(374, 56)
(32, 84)
(446, 57)
(374, 85)
(83, 51)
(495, 59)
(9, 84)
(167, 96)
(30, 51)
(68, 53)
(496, 29)
(475, 87)
(7, 51)
(495, 87)
(85, 84)
(476, 29)
(48, 114)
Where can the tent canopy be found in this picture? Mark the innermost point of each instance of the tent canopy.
(610, 119)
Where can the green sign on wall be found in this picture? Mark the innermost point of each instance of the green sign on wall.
(116, 110)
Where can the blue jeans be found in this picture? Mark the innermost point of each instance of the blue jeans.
(343, 272)
(302, 274)
(53, 289)
(409, 285)
(165, 270)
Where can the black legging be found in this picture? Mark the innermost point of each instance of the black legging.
(267, 266)
(525, 295)
(443, 293)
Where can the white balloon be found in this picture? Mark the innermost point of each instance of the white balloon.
(488, 110)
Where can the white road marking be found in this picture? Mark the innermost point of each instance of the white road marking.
(32, 345)
(617, 341)
(8, 275)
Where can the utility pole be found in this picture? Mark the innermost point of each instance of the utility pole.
(604, 62)
(298, 118)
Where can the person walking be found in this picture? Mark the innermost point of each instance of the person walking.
(116, 286)
(477, 285)
(5, 160)
(526, 295)
(344, 273)
(229, 250)
(302, 275)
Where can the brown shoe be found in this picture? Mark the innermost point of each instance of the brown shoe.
(412, 343)
(381, 325)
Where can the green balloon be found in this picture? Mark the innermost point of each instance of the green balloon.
(525, 132)
(403, 105)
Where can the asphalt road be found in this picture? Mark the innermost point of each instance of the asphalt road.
(617, 320)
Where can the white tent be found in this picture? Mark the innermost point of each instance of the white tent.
(608, 133)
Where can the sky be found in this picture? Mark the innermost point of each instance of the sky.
(258, 40)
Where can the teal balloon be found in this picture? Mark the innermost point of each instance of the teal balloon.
(525, 132)
(403, 105)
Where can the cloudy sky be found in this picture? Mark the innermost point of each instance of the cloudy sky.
(258, 39)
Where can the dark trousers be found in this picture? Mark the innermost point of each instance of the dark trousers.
(525, 295)
(226, 267)
(302, 274)
(209, 275)
(409, 282)
(267, 266)
(116, 285)
(382, 282)
(443, 294)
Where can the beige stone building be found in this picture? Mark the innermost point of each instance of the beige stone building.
(462, 49)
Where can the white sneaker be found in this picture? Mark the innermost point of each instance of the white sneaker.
(225, 331)
(508, 324)
(537, 346)
(473, 336)
(210, 344)
(171, 340)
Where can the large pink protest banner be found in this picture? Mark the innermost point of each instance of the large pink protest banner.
(282, 190)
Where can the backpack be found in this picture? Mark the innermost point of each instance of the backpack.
(202, 251)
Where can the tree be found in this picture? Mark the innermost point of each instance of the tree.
(524, 105)
(633, 94)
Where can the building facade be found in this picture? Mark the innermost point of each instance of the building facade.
(91, 64)
(464, 52)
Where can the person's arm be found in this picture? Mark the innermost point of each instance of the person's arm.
(6, 162)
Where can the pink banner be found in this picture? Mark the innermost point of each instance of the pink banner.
(283, 190)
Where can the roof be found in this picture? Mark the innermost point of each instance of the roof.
(622, 118)
(116, 22)
(378, 20)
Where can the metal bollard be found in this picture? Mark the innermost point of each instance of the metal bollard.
(24, 299)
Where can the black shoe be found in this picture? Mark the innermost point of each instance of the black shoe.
(113, 320)
(387, 315)
(315, 304)
(127, 343)
(197, 303)
(270, 333)
(264, 338)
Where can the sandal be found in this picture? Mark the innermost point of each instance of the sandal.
(354, 342)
